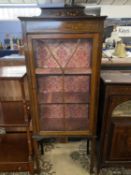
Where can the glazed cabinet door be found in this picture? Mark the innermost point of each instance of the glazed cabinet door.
(62, 81)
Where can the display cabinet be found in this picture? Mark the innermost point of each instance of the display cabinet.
(115, 114)
(15, 136)
(63, 57)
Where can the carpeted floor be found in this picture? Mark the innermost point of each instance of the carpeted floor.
(69, 159)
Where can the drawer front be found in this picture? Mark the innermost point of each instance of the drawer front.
(119, 89)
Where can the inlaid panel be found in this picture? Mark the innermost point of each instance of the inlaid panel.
(119, 147)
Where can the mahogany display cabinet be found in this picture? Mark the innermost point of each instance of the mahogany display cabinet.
(115, 120)
(15, 136)
(63, 57)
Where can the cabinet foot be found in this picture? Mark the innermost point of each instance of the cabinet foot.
(92, 154)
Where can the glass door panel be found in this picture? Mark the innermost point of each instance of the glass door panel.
(62, 54)
(52, 117)
(50, 89)
(76, 89)
(63, 72)
(76, 117)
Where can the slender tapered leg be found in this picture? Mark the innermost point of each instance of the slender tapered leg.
(41, 143)
(92, 154)
(37, 156)
(88, 145)
(98, 168)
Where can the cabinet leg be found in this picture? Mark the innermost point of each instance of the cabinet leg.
(98, 171)
(31, 172)
(88, 145)
(92, 154)
(41, 143)
(98, 168)
(31, 168)
(37, 170)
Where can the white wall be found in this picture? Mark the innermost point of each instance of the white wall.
(13, 28)
(119, 11)
(112, 11)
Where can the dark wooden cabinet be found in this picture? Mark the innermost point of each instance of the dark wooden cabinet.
(15, 136)
(115, 114)
(116, 64)
(63, 56)
(12, 60)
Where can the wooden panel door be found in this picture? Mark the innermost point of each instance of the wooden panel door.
(120, 140)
